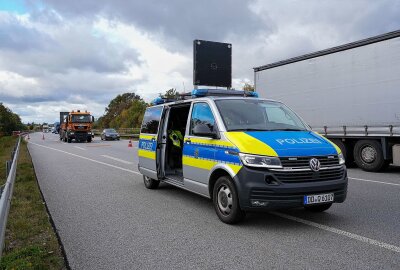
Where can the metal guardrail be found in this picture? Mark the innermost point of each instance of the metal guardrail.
(6, 192)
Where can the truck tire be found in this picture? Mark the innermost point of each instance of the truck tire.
(346, 150)
(226, 201)
(150, 183)
(368, 155)
(318, 208)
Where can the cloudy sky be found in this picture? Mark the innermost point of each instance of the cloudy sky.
(58, 55)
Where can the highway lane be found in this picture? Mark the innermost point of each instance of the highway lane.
(107, 219)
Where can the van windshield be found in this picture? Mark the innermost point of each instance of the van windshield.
(251, 114)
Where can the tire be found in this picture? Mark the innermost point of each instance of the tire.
(89, 139)
(65, 138)
(347, 153)
(101, 137)
(150, 183)
(69, 140)
(226, 201)
(368, 155)
(318, 208)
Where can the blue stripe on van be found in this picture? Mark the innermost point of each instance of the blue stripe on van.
(295, 143)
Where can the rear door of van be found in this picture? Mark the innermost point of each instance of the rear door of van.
(148, 149)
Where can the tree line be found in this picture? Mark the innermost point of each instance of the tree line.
(9, 121)
(127, 110)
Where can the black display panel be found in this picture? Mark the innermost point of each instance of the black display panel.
(212, 63)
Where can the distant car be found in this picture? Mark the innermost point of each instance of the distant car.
(109, 134)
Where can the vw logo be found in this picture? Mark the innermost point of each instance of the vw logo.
(315, 165)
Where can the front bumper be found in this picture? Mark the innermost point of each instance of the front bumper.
(80, 136)
(261, 189)
(112, 137)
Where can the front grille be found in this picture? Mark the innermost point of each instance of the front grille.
(307, 176)
(81, 127)
(296, 162)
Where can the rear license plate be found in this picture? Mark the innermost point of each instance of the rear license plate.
(320, 198)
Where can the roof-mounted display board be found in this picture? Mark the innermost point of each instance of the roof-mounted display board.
(212, 63)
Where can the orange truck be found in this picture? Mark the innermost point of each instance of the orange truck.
(76, 125)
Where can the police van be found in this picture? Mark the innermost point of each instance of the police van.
(243, 152)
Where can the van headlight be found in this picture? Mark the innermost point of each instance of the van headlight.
(260, 161)
(341, 159)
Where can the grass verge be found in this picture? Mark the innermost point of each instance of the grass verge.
(30, 239)
(7, 144)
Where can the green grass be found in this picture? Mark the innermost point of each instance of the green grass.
(30, 240)
(7, 144)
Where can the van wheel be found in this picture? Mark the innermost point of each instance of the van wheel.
(368, 155)
(318, 208)
(150, 183)
(226, 201)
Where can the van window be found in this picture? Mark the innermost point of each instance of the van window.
(201, 114)
(151, 120)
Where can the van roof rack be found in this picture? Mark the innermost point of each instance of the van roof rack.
(197, 93)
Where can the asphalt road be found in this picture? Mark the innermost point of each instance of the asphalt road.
(107, 219)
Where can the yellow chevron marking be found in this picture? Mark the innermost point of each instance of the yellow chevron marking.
(249, 144)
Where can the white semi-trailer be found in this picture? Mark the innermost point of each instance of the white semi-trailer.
(349, 93)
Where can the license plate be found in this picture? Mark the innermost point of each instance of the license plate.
(320, 198)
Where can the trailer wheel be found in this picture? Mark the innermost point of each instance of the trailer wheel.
(368, 155)
(346, 151)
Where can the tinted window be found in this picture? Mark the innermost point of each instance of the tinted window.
(201, 114)
(151, 120)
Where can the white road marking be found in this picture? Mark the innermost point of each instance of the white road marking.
(300, 220)
(340, 232)
(80, 148)
(93, 160)
(373, 181)
(117, 159)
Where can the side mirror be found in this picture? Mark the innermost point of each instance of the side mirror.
(92, 119)
(204, 130)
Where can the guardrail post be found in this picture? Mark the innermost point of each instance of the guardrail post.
(8, 167)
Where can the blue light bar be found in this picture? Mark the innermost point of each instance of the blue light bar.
(220, 92)
(250, 94)
(158, 101)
